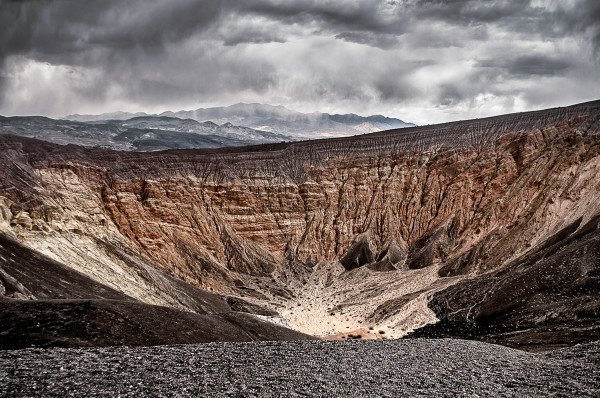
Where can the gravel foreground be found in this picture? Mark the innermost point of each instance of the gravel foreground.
(384, 368)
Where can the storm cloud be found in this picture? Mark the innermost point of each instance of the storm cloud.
(423, 61)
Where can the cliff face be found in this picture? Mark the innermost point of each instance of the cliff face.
(334, 235)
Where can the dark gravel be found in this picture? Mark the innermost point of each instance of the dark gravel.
(416, 367)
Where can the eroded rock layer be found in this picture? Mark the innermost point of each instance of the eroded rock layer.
(336, 236)
(46, 304)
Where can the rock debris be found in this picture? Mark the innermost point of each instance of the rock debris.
(376, 368)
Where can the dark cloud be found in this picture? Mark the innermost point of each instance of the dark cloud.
(394, 88)
(328, 15)
(63, 27)
(525, 66)
(252, 36)
(538, 65)
(60, 56)
(473, 11)
(384, 41)
(556, 19)
(449, 95)
(582, 18)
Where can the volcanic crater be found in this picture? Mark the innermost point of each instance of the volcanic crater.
(486, 229)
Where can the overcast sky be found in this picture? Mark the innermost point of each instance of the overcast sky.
(423, 61)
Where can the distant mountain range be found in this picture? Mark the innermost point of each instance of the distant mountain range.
(236, 125)
(275, 119)
(144, 133)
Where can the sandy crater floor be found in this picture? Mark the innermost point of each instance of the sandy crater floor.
(334, 304)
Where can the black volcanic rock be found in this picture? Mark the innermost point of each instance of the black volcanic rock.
(431, 248)
(390, 258)
(546, 298)
(45, 304)
(360, 253)
(99, 323)
(25, 273)
(419, 368)
(241, 305)
(393, 306)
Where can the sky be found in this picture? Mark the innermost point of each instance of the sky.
(423, 61)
